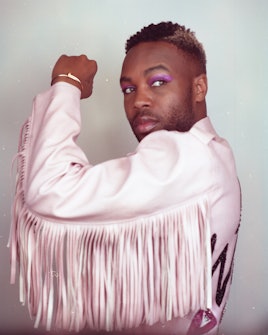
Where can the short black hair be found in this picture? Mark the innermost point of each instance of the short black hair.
(184, 39)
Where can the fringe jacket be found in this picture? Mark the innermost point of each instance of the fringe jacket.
(142, 239)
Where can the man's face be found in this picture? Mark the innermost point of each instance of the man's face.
(157, 83)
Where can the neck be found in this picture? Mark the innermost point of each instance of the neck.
(201, 111)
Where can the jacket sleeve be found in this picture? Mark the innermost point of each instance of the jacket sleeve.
(59, 181)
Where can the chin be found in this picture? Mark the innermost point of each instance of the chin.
(140, 137)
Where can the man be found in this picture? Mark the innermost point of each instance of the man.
(140, 244)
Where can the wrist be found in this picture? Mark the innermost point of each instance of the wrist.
(68, 78)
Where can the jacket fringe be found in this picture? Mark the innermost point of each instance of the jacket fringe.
(115, 275)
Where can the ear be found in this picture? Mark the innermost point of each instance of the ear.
(200, 87)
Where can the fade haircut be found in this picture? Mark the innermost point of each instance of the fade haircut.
(184, 39)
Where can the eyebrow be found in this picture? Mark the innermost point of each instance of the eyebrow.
(157, 67)
(146, 72)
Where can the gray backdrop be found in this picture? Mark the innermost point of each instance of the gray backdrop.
(234, 32)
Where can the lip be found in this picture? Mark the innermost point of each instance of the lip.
(144, 124)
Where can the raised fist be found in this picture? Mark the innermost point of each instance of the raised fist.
(79, 66)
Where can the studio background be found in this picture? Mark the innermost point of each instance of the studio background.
(33, 34)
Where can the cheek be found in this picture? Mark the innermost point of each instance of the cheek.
(169, 101)
(127, 108)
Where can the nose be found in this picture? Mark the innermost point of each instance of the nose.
(142, 99)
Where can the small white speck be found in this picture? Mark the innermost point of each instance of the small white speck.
(250, 175)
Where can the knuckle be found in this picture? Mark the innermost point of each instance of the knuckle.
(84, 57)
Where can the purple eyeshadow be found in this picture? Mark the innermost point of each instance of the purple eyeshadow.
(164, 77)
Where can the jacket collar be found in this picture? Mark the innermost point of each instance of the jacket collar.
(204, 130)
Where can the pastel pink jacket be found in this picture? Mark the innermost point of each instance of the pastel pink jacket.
(137, 240)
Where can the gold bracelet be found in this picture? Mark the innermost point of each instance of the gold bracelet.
(68, 75)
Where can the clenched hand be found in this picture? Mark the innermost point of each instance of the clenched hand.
(79, 66)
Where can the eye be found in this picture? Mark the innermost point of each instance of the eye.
(158, 83)
(160, 80)
(128, 89)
